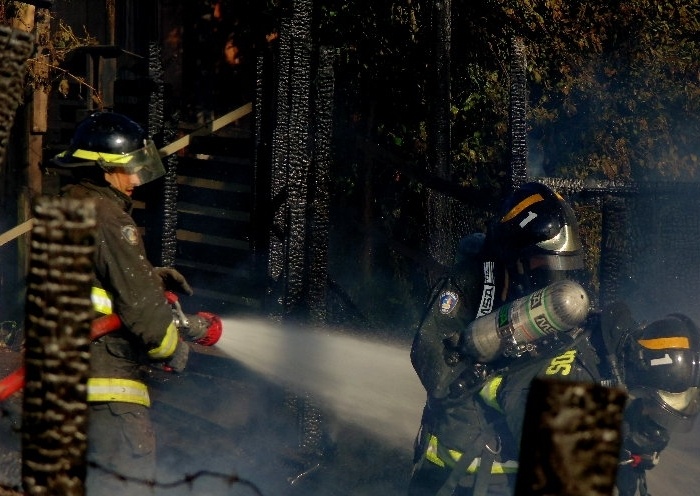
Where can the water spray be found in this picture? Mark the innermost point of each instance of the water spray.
(360, 381)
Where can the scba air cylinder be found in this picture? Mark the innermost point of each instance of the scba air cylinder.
(559, 307)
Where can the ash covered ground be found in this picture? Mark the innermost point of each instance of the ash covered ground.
(226, 419)
(221, 421)
(254, 433)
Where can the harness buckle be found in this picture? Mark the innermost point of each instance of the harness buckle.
(498, 449)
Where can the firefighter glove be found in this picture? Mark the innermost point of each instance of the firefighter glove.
(178, 360)
(173, 280)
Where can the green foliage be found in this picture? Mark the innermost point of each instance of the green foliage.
(614, 93)
(379, 66)
(614, 85)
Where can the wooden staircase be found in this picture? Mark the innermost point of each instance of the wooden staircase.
(214, 248)
(214, 230)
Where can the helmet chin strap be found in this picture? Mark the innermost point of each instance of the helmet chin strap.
(102, 163)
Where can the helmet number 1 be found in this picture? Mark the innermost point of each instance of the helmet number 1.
(666, 360)
(530, 217)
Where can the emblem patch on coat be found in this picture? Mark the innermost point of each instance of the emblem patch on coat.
(448, 301)
(130, 234)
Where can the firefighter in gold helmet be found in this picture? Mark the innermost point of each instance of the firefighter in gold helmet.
(109, 156)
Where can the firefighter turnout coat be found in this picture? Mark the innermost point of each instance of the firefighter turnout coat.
(125, 284)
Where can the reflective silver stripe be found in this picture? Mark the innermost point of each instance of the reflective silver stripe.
(101, 300)
(167, 345)
(112, 389)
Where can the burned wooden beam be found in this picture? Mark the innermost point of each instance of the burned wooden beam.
(57, 347)
(571, 439)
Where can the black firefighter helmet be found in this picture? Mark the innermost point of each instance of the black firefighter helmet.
(661, 365)
(112, 141)
(536, 237)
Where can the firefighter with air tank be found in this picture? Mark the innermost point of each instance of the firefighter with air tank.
(513, 309)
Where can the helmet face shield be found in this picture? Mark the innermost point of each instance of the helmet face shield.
(563, 250)
(685, 401)
(675, 412)
(555, 262)
(115, 143)
(145, 162)
(662, 365)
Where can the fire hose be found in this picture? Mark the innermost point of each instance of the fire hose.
(110, 323)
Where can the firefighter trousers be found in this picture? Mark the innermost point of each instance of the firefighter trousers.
(121, 450)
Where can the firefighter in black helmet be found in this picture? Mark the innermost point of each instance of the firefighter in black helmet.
(532, 242)
(534, 239)
(109, 156)
(658, 364)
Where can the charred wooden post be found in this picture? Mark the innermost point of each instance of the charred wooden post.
(441, 208)
(58, 314)
(163, 131)
(16, 47)
(299, 205)
(616, 250)
(518, 114)
(571, 439)
(319, 187)
(291, 162)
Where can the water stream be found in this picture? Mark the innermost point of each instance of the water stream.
(368, 383)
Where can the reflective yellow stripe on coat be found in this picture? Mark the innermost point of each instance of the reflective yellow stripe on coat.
(124, 390)
(101, 300)
(507, 467)
(102, 303)
(167, 345)
(489, 393)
